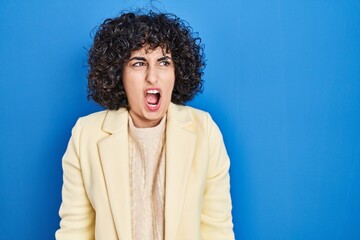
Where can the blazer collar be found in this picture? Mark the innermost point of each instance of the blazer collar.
(180, 148)
(115, 120)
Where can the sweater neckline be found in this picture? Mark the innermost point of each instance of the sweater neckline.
(147, 133)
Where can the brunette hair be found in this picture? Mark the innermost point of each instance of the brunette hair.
(116, 38)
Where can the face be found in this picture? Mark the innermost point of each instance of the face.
(148, 78)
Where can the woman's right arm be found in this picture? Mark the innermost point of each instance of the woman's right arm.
(76, 213)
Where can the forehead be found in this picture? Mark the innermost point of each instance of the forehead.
(147, 51)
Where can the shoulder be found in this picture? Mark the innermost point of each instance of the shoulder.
(95, 116)
(181, 111)
(92, 120)
(200, 120)
(102, 121)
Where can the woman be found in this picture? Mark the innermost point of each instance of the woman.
(148, 167)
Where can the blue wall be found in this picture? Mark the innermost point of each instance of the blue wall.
(282, 82)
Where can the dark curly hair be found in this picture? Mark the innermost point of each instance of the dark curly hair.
(115, 40)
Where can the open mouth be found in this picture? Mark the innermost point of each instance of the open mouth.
(152, 98)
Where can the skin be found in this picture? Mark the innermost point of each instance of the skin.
(145, 70)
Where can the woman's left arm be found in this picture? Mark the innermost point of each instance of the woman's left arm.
(216, 218)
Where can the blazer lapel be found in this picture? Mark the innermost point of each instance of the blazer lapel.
(115, 162)
(180, 147)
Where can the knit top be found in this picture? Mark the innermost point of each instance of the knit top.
(147, 180)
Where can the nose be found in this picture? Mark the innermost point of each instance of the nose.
(152, 74)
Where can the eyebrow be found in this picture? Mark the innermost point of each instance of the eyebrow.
(164, 58)
(137, 58)
(144, 59)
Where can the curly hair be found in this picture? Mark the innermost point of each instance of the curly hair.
(115, 40)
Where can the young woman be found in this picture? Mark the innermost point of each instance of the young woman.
(147, 167)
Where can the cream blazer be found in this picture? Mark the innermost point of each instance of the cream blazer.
(96, 193)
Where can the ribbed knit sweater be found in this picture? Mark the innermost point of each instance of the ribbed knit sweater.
(147, 180)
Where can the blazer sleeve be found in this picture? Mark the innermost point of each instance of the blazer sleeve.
(76, 213)
(216, 218)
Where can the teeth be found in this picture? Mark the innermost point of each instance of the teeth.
(153, 91)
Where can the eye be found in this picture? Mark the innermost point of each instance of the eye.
(138, 64)
(164, 63)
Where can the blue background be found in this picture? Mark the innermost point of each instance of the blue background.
(282, 82)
